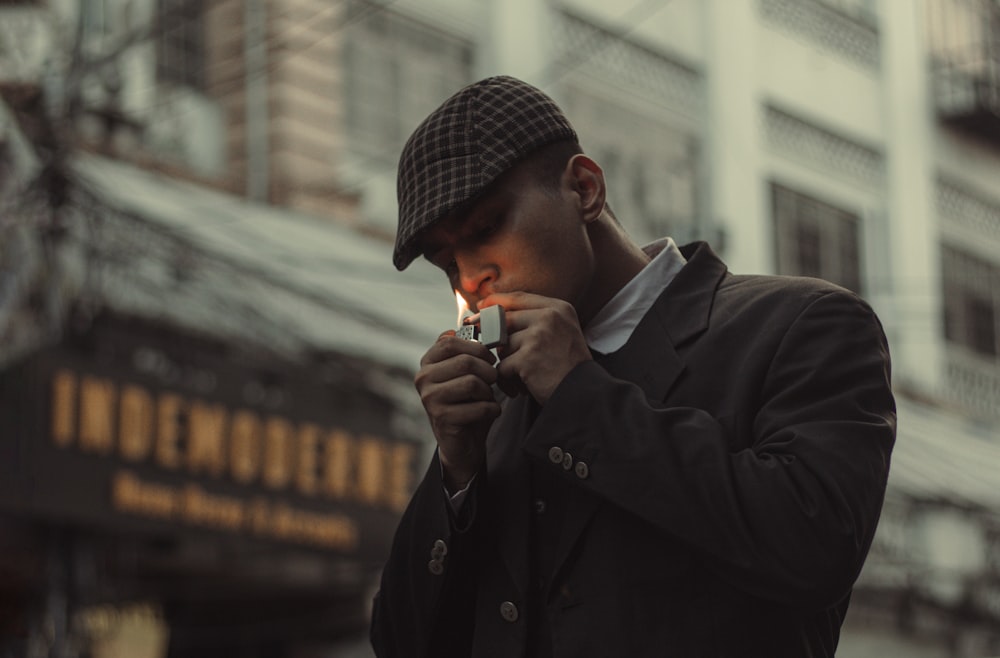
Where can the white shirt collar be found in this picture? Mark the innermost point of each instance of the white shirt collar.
(613, 325)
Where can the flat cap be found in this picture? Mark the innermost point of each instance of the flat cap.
(463, 146)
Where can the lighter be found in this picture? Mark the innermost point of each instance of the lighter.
(491, 330)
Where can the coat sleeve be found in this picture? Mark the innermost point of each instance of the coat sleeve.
(790, 515)
(422, 609)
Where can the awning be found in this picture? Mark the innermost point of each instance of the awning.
(941, 456)
(205, 260)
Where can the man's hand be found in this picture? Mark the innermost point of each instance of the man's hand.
(544, 342)
(454, 383)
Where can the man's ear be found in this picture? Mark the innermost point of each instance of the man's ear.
(586, 179)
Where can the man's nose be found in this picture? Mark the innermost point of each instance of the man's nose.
(474, 275)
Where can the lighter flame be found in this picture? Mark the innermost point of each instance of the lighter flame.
(463, 307)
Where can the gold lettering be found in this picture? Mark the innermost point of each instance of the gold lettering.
(125, 487)
(130, 494)
(135, 423)
(398, 487)
(337, 451)
(206, 438)
(244, 446)
(194, 505)
(203, 508)
(279, 452)
(305, 472)
(282, 521)
(259, 516)
(168, 433)
(63, 408)
(371, 470)
(201, 438)
(97, 403)
(298, 525)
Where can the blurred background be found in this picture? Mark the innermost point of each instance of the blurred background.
(207, 422)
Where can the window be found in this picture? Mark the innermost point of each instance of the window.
(815, 239)
(96, 18)
(964, 43)
(650, 165)
(964, 33)
(180, 42)
(971, 301)
(396, 72)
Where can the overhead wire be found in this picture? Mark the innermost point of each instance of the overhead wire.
(228, 214)
(629, 22)
(215, 262)
(240, 76)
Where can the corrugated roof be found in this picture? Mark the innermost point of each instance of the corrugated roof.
(940, 456)
(248, 271)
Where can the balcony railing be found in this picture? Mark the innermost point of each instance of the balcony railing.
(968, 95)
(973, 382)
(965, 60)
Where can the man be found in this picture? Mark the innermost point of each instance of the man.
(686, 462)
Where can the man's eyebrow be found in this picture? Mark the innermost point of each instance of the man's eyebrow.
(461, 221)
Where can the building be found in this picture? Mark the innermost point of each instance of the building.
(206, 402)
(855, 140)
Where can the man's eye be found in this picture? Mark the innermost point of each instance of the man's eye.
(438, 261)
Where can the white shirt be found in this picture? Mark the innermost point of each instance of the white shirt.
(613, 325)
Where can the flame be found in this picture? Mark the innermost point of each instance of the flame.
(463, 307)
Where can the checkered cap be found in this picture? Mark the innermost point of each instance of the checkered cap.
(463, 146)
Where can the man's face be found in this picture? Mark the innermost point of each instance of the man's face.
(520, 236)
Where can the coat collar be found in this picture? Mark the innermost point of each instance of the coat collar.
(681, 313)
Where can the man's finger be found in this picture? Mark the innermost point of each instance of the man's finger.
(461, 416)
(516, 300)
(437, 396)
(448, 345)
(455, 367)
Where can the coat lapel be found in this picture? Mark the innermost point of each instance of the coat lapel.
(509, 491)
(680, 314)
(650, 359)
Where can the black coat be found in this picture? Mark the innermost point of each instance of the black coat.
(726, 472)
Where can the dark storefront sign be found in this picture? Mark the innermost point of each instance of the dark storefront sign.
(137, 433)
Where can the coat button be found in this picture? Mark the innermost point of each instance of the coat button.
(539, 506)
(567, 461)
(436, 567)
(555, 455)
(508, 611)
(439, 550)
(582, 470)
